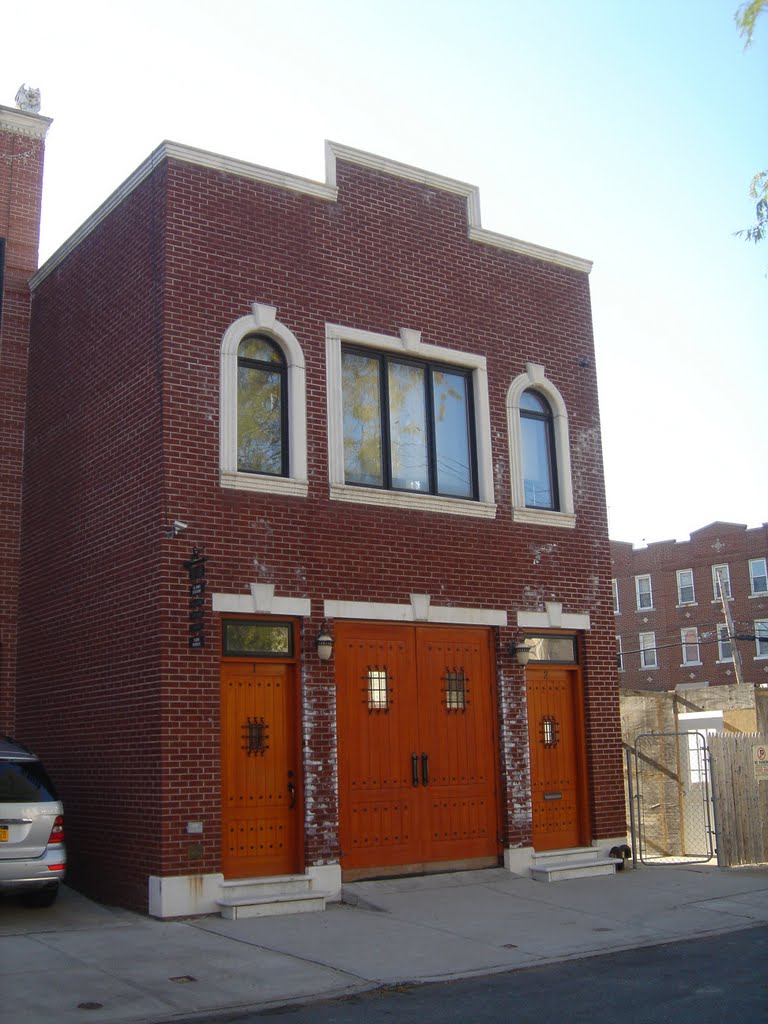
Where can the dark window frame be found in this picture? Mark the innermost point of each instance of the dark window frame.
(546, 417)
(265, 367)
(272, 655)
(384, 360)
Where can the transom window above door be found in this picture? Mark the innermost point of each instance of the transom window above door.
(407, 425)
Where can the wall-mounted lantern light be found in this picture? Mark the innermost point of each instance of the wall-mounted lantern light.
(521, 651)
(324, 643)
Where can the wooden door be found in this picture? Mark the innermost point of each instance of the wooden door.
(417, 755)
(457, 736)
(260, 773)
(378, 740)
(555, 742)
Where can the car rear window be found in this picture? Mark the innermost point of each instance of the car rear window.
(25, 782)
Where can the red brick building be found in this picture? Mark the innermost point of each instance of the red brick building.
(672, 627)
(267, 416)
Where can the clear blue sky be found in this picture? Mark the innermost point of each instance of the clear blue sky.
(622, 132)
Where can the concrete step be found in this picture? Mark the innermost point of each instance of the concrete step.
(581, 862)
(272, 906)
(269, 896)
(268, 885)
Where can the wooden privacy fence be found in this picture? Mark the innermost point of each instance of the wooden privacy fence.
(741, 799)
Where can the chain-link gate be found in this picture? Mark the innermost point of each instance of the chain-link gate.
(671, 807)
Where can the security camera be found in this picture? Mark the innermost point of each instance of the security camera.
(177, 526)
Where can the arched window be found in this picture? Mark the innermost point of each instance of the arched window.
(262, 407)
(539, 458)
(539, 451)
(263, 414)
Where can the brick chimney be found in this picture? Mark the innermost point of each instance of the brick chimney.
(22, 145)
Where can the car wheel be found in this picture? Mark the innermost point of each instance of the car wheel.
(41, 897)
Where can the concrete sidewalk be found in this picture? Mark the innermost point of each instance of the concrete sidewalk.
(79, 961)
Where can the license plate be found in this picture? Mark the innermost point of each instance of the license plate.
(3, 833)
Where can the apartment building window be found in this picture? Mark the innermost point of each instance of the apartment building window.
(643, 592)
(721, 573)
(615, 589)
(648, 658)
(619, 655)
(761, 638)
(689, 638)
(685, 591)
(758, 579)
(724, 645)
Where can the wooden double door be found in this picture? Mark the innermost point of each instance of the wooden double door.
(417, 744)
(558, 768)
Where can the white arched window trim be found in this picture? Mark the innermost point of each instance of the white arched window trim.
(534, 378)
(262, 320)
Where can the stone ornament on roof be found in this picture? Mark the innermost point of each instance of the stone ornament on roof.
(28, 99)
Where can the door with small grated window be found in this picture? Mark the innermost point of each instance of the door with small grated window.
(261, 816)
(417, 747)
(555, 733)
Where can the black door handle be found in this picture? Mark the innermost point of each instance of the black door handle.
(291, 791)
(425, 769)
(415, 769)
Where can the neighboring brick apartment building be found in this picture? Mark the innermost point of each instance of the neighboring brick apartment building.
(671, 625)
(267, 415)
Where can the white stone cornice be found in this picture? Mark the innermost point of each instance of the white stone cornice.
(326, 191)
(21, 122)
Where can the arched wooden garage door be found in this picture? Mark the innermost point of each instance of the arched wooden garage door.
(417, 747)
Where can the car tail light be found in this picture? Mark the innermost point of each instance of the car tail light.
(57, 832)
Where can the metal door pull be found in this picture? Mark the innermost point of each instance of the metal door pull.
(415, 769)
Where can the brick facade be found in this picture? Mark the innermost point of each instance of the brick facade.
(22, 144)
(123, 437)
(674, 609)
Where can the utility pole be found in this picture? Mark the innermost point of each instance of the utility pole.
(729, 627)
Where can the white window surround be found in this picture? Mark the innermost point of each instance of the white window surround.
(723, 572)
(690, 646)
(420, 609)
(761, 639)
(648, 653)
(408, 343)
(534, 377)
(757, 571)
(553, 617)
(724, 644)
(681, 575)
(615, 589)
(619, 655)
(261, 601)
(262, 320)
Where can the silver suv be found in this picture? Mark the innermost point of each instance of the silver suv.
(33, 858)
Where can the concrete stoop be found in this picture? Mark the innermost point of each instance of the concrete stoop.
(580, 862)
(268, 897)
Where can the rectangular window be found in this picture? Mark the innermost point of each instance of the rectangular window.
(552, 648)
(724, 646)
(615, 588)
(243, 638)
(643, 592)
(685, 591)
(689, 638)
(648, 657)
(619, 655)
(761, 638)
(721, 575)
(408, 425)
(758, 579)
